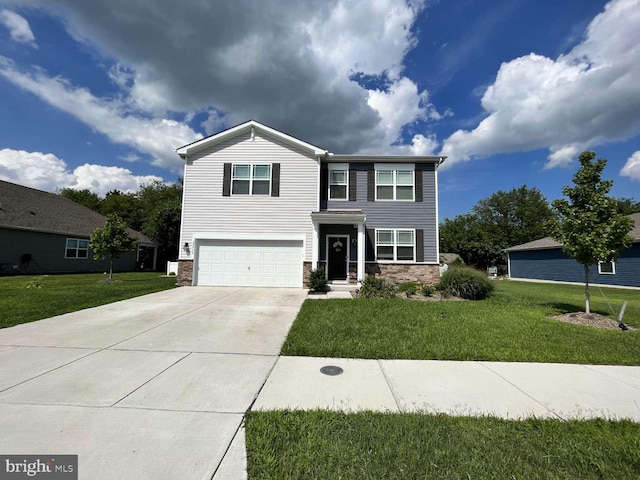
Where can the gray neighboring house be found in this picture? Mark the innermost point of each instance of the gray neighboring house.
(544, 259)
(263, 208)
(42, 232)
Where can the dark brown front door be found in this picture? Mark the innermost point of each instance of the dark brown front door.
(337, 259)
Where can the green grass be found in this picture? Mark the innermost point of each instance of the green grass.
(512, 325)
(26, 298)
(330, 445)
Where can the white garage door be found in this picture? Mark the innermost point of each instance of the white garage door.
(256, 263)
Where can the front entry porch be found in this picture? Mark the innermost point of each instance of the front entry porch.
(339, 245)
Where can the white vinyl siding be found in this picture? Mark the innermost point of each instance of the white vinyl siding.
(206, 210)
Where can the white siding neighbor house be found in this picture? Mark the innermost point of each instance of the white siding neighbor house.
(262, 208)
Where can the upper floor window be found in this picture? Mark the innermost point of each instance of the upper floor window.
(76, 248)
(251, 179)
(607, 268)
(396, 245)
(394, 184)
(338, 182)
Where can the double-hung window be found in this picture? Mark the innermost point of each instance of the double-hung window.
(250, 179)
(394, 183)
(76, 248)
(338, 182)
(396, 245)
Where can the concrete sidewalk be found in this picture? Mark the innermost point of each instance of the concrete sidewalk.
(503, 389)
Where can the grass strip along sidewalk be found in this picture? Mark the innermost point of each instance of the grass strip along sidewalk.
(330, 445)
(28, 298)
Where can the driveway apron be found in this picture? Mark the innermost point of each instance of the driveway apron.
(151, 387)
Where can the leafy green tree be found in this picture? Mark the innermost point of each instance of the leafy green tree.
(161, 205)
(126, 206)
(504, 219)
(588, 224)
(112, 240)
(627, 206)
(84, 197)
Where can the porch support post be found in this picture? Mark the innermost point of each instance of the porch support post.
(315, 247)
(361, 244)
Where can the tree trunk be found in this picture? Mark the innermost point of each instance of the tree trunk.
(586, 289)
(110, 267)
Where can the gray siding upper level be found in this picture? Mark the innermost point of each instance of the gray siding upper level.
(398, 214)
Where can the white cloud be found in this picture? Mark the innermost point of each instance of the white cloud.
(631, 169)
(18, 27)
(158, 137)
(286, 63)
(584, 98)
(47, 172)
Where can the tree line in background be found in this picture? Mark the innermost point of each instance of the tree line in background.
(502, 220)
(154, 210)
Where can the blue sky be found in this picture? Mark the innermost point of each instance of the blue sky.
(99, 94)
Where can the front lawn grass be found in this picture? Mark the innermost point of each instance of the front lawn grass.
(331, 445)
(28, 298)
(512, 325)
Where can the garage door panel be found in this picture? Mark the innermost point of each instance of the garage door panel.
(250, 262)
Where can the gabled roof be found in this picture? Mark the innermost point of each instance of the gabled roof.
(548, 242)
(251, 125)
(24, 208)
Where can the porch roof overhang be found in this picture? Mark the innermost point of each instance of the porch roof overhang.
(340, 217)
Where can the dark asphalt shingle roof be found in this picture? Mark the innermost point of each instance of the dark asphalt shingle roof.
(548, 242)
(25, 208)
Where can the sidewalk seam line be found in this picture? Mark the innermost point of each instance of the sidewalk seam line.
(484, 364)
(386, 379)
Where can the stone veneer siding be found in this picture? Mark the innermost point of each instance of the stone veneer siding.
(306, 272)
(399, 273)
(185, 273)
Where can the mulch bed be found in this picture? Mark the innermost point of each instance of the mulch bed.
(589, 319)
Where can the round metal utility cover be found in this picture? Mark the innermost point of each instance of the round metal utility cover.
(331, 370)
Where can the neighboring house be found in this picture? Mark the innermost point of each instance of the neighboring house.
(263, 208)
(544, 260)
(42, 232)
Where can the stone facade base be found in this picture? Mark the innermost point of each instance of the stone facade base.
(399, 273)
(185, 273)
(306, 271)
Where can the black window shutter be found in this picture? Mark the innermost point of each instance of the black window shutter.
(324, 182)
(418, 174)
(275, 180)
(419, 245)
(371, 185)
(353, 185)
(370, 251)
(226, 181)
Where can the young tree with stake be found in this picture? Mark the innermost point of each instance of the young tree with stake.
(112, 240)
(588, 223)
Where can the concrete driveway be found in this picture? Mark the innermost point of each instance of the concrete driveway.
(152, 387)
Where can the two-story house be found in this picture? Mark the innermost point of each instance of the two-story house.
(262, 208)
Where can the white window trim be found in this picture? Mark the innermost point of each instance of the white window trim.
(251, 165)
(395, 168)
(338, 166)
(77, 248)
(613, 267)
(395, 245)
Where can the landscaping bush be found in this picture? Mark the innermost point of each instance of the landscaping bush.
(427, 290)
(409, 288)
(374, 287)
(317, 280)
(466, 283)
